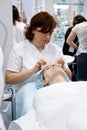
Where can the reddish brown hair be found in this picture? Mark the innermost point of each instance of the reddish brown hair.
(42, 20)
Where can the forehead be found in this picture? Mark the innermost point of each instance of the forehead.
(45, 66)
(51, 65)
(44, 29)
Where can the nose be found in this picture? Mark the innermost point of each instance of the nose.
(48, 35)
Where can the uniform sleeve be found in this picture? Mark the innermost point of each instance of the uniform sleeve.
(15, 60)
(59, 54)
(75, 29)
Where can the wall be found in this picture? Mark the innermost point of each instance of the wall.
(29, 7)
(5, 28)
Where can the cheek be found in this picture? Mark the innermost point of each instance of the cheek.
(47, 74)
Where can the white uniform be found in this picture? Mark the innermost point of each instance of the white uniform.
(81, 32)
(18, 32)
(25, 55)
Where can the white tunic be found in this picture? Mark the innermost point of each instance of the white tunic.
(81, 32)
(25, 55)
(18, 32)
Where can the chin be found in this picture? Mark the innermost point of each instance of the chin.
(47, 42)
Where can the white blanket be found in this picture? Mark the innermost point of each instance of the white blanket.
(61, 106)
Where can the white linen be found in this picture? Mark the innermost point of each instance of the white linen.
(61, 106)
(54, 104)
(25, 55)
(28, 122)
(78, 115)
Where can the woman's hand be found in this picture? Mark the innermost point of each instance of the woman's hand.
(38, 65)
(18, 77)
(60, 61)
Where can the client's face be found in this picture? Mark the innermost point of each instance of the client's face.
(51, 71)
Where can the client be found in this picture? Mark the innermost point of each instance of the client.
(50, 74)
(53, 73)
(58, 106)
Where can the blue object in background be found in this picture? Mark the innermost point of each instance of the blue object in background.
(63, 0)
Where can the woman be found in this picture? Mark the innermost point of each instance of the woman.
(18, 26)
(81, 31)
(27, 58)
(67, 49)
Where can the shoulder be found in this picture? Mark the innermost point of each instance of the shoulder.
(19, 47)
(20, 25)
(79, 25)
(69, 29)
(22, 46)
(55, 48)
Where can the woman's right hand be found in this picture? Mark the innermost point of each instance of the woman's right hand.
(18, 77)
(38, 65)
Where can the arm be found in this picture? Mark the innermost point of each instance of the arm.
(70, 40)
(17, 77)
(66, 68)
(69, 73)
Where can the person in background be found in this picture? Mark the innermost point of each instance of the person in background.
(81, 32)
(68, 50)
(2, 126)
(18, 26)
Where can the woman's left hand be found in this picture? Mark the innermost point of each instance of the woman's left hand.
(60, 61)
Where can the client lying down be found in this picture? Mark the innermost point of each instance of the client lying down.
(59, 106)
(24, 97)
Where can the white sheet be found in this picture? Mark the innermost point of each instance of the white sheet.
(61, 106)
(27, 122)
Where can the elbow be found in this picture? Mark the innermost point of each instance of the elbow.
(8, 78)
(69, 73)
(7, 82)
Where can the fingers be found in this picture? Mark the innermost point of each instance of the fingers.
(42, 62)
(46, 65)
(39, 64)
(60, 61)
